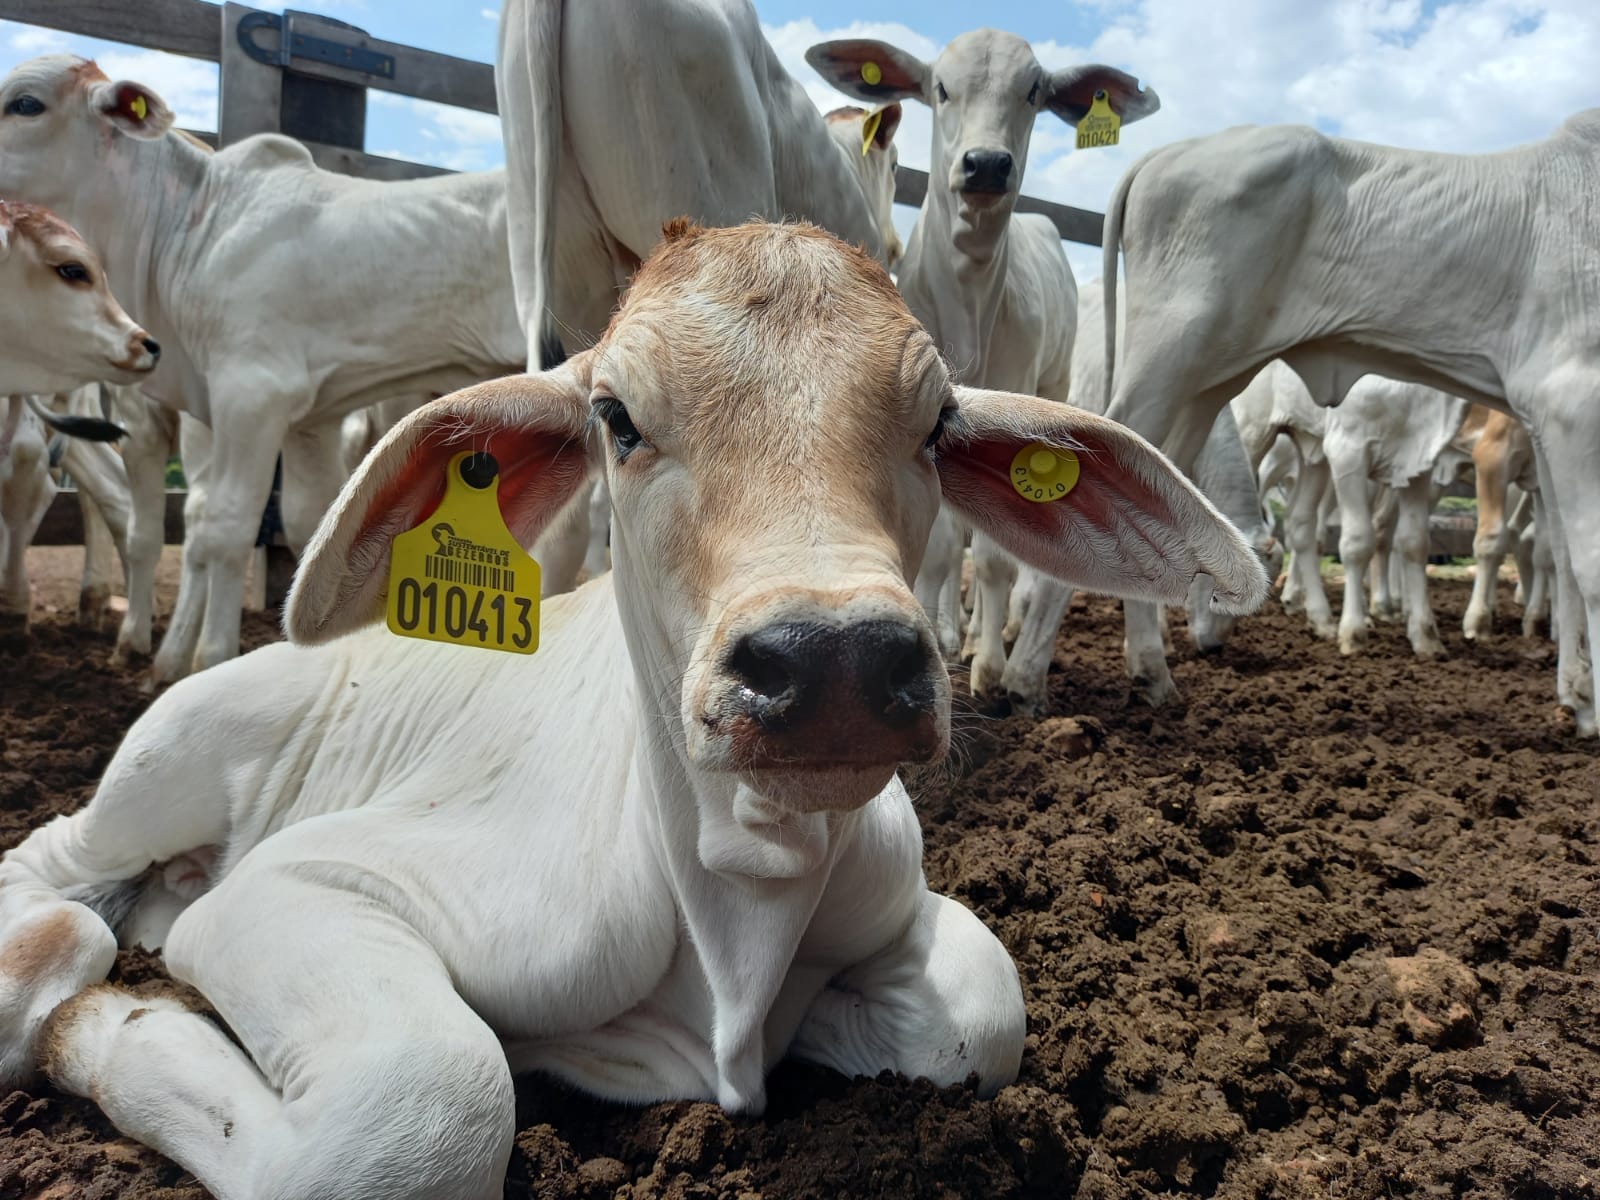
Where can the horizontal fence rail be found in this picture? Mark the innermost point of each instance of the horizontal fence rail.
(199, 29)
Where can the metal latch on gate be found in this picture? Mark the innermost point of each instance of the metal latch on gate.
(303, 45)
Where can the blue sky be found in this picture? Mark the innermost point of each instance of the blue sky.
(1464, 76)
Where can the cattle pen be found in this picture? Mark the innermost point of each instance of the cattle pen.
(1324, 926)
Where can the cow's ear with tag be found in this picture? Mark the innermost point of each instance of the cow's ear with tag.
(1072, 92)
(536, 427)
(133, 108)
(1089, 501)
(871, 71)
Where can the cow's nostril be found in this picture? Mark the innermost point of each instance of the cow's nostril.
(153, 347)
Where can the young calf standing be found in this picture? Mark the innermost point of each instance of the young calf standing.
(993, 288)
(654, 858)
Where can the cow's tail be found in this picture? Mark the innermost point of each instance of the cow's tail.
(90, 429)
(542, 48)
(1110, 244)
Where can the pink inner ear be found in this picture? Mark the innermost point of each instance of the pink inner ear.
(539, 470)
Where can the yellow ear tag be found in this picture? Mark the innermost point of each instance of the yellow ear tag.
(138, 107)
(869, 130)
(460, 576)
(1100, 126)
(1043, 473)
(872, 73)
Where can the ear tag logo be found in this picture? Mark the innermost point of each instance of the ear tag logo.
(869, 130)
(138, 107)
(871, 73)
(1100, 126)
(1044, 473)
(460, 576)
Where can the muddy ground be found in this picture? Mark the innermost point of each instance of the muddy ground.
(1330, 929)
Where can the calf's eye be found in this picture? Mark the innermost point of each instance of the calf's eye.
(943, 95)
(623, 433)
(25, 106)
(938, 431)
(74, 272)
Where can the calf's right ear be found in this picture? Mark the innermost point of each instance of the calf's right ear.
(535, 426)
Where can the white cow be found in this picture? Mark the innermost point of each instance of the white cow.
(710, 126)
(1476, 274)
(992, 287)
(380, 289)
(1387, 433)
(417, 879)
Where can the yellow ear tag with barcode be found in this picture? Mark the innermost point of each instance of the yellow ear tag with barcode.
(869, 130)
(460, 576)
(138, 107)
(1099, 126)
(1043, 473)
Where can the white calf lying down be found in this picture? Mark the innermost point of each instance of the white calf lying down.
(659, 855)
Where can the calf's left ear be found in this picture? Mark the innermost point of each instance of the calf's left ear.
(536, 428)
(133, 108)
(1123, 520)
(1072, 91)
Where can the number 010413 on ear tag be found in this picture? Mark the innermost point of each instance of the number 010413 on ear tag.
(460, 576)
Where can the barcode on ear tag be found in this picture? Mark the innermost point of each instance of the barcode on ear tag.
(460, 576)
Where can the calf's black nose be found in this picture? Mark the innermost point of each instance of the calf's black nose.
(986, 170)
(791, 671)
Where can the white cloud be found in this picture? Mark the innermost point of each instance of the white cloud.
(29, 40)
(489, 14)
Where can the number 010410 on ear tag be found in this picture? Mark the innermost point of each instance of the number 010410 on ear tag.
(460, 576)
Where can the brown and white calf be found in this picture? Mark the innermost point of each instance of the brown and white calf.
(664, 852)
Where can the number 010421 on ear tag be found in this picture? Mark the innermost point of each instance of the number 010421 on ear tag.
(1099, 126)
(460, 576)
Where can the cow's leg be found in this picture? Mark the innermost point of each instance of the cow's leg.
(1144, 651)
(392, 1089)
(144, 455)
(313, 473)
(24, 497)
(942, 1002)
(1569, 446)
(1027, 671)
(1489, 545)
(1411, 544)
(1541, 571)
(1208, 628)
(1355, 550)
(99, 575)
(993, 573)
(1383, 605)
(244, 449)
(1300, 530)
(176, 652)
(597, 561)
(1022, 593)
(940, 563)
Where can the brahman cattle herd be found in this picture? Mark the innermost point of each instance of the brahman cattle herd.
(672, 847)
